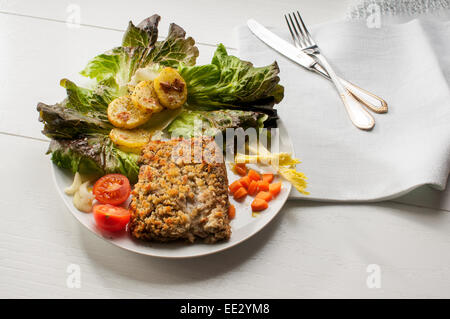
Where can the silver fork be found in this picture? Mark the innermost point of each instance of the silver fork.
(303, 40)
(371, 101)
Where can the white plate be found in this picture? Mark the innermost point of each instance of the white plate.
(243, 226)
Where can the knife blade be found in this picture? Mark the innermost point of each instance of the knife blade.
(282, 46)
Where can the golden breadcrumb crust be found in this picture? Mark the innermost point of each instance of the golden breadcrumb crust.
(182, 192)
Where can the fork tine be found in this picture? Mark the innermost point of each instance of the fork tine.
(304, 35)
(299, 37)
(290, 30)
(305, 29)
(291, 25)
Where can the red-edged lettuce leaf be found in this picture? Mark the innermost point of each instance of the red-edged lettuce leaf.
(94, 155)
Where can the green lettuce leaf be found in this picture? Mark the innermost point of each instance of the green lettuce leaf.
(117, 66)
(194, 122)
(121, 62)
(90, 101)
(176, 49)
(144, 35)
(94, 155)
(83, 112)
(140, 49)
(230, 82)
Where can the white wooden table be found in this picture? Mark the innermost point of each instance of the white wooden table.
(310, 250)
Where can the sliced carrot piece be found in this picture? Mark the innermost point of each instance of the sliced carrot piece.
(235, 186)
(241, 192)
(267, 177)
(264, 195)
(259, 204)
(263, 186)
(231, 211)
(275, 188)
(245, 181)
(254, 175)
(253, 188)
(240, 169)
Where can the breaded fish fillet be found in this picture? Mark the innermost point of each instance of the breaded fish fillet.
(182, 192)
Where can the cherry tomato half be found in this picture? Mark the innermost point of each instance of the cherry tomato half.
(111, 218)
(112, 189)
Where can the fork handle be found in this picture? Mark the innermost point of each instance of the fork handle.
(373, 102)
(370, 100)
(358, 115)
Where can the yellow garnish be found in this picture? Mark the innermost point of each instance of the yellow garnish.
(278, 159)
(297, 179)
(282, 162)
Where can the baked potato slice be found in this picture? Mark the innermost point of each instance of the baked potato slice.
(130, 140)
(123, 113)
(170, 88)
(144, 96)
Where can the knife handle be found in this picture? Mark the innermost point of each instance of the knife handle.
(358, 114)
(370, 100)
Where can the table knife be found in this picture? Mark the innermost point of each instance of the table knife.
(368, 99)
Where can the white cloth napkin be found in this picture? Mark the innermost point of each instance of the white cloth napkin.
(409, 66)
